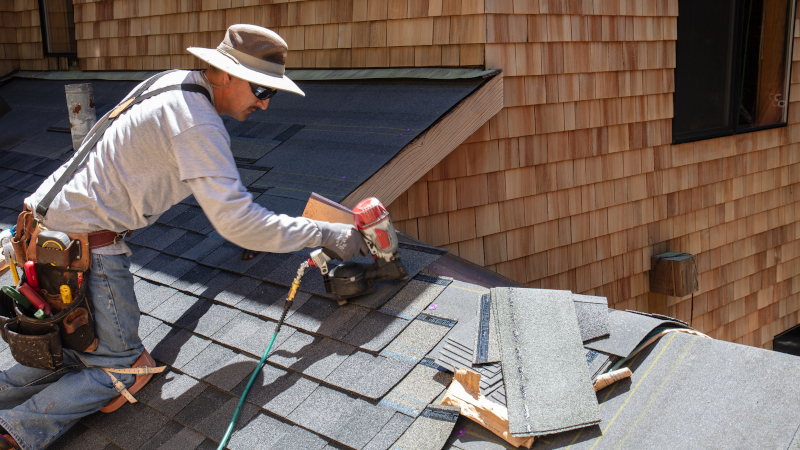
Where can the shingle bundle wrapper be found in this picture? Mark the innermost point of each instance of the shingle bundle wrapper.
(548, 387)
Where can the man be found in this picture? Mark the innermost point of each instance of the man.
(156, 153)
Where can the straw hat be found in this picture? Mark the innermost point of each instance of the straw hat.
(252, 53)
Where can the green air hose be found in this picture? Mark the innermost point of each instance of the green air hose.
(286, 306)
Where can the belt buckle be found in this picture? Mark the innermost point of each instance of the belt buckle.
(119, 236)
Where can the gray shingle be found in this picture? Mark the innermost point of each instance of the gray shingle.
(208, 361)
(158, 237)
(627, 331)
(277, 390)
(168, 273)
(217, 284)
(185, 439)
(313, 313)
(369, 419)
(419, 388)
(79, 437)
(170, 392)
(353, 369)
(265, 300)
(313, 356)
(430, 430)
(375, 331)
(171, 213)
(390, 432)
(201, 408)
(185, 243)
(232, 372)
(205, 247)
(170, 429)
(321, 411)
(150, 295)
(267, 264)
(215, 425)
(235, 292)
(195, 280)
(207, 318)
(592, 315)
(129, 427)
(415, 296)
(175, 307)
(147, 324)
(384, 377)
(299, 438)
(261, 432)
(251, 334)
(547, 394)
(178, 347)
(140, 256)
(228, 257)
(342, 321)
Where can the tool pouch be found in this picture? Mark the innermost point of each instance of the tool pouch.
(76, 256)
(38, 343)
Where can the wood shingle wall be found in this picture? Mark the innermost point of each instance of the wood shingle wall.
(21, 39)
(574, 185)
(153, 34)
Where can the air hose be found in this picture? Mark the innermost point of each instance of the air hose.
(292, 292)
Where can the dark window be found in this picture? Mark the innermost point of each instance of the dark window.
(788, 341)
(733, 62)
(57, 19)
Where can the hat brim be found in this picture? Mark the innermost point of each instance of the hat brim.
(222, 62)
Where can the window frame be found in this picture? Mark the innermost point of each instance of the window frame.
(43, 26)
(736, 79)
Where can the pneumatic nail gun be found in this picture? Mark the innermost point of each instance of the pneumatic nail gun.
(351, 279)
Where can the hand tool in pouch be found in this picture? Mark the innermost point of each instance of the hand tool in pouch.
(37, 301)
(8, 254)
(351, 279)
(31, 276)
(17, 297)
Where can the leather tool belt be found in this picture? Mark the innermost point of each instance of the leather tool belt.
(39, 342)
(99, 239)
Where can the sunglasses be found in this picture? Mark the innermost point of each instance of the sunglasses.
(261, 92)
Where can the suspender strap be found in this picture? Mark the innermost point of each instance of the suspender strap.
(88, 145)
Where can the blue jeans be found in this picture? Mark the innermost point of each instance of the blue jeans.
(37, 406)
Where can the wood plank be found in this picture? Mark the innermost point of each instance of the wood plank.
(431, 147)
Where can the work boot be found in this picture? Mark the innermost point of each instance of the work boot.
(8, 443)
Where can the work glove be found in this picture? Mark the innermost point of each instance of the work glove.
(344, 241)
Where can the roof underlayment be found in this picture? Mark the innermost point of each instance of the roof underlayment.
(367, 375)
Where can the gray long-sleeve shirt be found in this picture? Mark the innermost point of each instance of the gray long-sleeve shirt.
(153, 156)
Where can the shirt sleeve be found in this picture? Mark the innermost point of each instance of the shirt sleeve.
(233, 214)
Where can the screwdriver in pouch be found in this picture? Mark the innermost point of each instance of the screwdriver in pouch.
(37, 301)
(31, 276)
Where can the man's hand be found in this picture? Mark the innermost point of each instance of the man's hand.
(343, 240)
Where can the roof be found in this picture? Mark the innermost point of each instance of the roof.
(347, 134)
(367, 375)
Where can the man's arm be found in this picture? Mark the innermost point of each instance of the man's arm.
(233, 214)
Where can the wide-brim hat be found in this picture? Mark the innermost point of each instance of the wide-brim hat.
(252, 53)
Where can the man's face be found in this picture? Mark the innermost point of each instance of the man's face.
(239, 101)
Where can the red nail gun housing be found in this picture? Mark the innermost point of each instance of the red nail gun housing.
(352, 279)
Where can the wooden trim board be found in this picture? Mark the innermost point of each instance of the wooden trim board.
(421, 154)
(321, 208)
